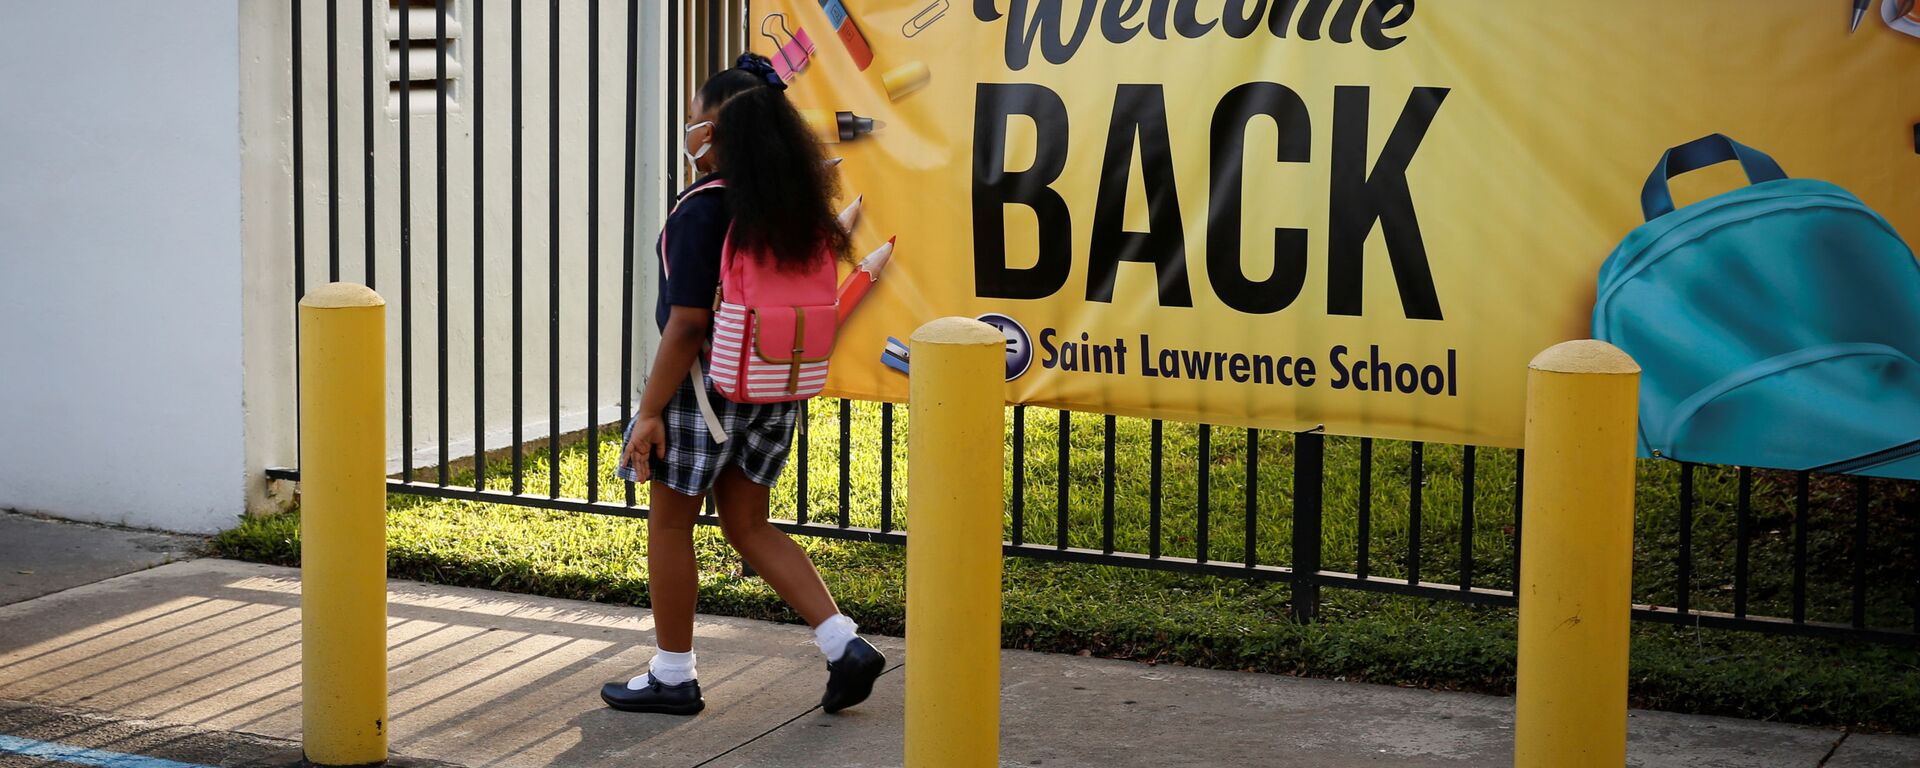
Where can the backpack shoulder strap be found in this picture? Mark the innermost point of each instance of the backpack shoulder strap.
(707, 414)
(697, 189)
(695, 373)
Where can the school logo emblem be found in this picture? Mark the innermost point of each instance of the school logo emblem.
(1019, 344)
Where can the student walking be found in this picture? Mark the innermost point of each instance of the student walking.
(764, 193)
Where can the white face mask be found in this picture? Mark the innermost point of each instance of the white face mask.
(692, 156)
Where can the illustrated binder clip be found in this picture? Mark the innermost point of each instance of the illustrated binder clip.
(794, 53)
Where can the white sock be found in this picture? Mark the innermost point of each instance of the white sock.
(833, 635)
(668, 667)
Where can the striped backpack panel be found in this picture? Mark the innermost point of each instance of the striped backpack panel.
(773, 329)
(768, 354)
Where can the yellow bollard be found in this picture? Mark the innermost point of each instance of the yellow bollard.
(955, 444)
(343, 518)
(1577, 557)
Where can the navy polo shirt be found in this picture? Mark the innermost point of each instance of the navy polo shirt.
(696, 230)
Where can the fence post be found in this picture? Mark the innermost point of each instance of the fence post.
(1309, 467)
(343, 506)
(1576, 578)
(955, 444)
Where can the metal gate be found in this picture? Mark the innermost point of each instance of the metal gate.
(444, 62)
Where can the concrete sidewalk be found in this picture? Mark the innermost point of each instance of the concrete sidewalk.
(39, 556)
(490, 679)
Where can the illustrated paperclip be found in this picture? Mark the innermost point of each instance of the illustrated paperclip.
(925, 18)
(793, 54)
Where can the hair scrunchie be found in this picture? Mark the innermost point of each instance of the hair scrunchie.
(758, 66)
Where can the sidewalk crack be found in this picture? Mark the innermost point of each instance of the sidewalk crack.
(1844, 733)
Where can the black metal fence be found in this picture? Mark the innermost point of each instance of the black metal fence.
(1718, 547)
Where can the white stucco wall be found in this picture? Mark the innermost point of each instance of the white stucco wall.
(120, 256)
(146, 243)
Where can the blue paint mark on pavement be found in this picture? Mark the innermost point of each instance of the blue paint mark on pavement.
(99, 758)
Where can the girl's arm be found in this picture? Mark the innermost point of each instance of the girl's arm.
(679, 346)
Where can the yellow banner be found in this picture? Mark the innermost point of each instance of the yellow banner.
(1362, 214)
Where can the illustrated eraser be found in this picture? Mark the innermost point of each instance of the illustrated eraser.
(850, 36)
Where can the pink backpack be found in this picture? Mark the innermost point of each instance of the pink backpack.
(773, 330)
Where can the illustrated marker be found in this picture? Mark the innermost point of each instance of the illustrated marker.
(905, 79)
(850, 36)
(835, 127)
(851, 214)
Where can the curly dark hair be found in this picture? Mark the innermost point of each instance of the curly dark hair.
(779, 189)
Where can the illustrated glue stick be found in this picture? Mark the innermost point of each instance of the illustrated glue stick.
(835, 127)
(849, 33)
(851, 214)
(905, 79)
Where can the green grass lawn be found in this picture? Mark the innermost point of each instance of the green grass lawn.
(1242, 624)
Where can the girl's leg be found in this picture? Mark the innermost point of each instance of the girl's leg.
(852, 662)
(743, 517)
(671, 684)
(672, 579)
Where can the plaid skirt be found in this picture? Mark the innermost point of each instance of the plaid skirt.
(759, 436)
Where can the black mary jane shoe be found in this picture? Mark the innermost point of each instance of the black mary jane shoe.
(656, 697)
(850, 680)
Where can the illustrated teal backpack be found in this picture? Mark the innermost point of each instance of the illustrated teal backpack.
(1776, 325)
